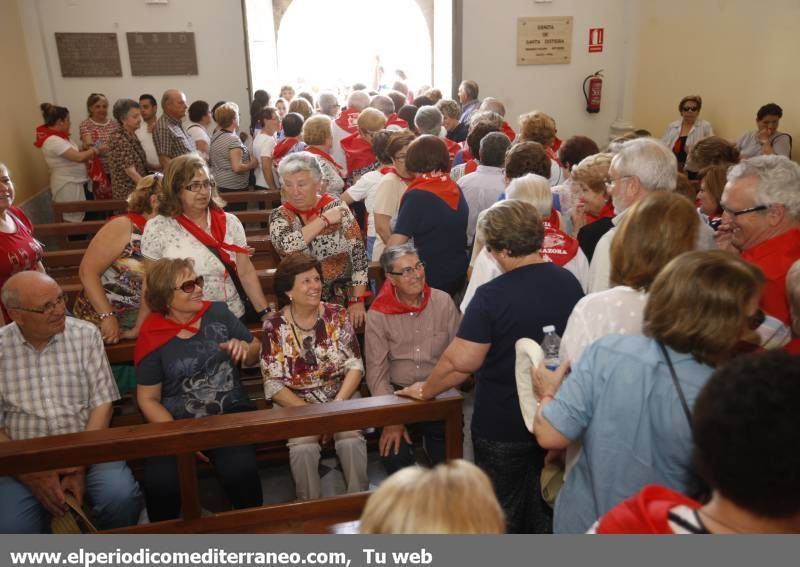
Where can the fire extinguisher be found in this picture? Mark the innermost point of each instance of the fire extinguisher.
(592, 94)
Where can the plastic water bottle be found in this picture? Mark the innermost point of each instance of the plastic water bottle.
(551, 343)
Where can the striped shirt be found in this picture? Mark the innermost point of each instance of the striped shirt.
(53, 391)
(170, 139)
(219, 157)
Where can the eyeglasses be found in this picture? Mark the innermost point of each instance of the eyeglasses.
(755, 321)
(190, 285)
(409, 271)
(47, 308)
(690, 109)
(194, 186)
(609, 183)
(744, 211)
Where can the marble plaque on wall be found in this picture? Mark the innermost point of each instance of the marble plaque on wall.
(88, 54)
(162, 53)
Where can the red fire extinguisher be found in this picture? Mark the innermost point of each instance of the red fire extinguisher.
(592, 94)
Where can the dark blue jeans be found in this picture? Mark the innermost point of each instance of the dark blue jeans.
(433, 435)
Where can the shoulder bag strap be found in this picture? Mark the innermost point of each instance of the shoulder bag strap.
(685, 405)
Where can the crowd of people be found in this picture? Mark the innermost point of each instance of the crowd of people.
(670, 268)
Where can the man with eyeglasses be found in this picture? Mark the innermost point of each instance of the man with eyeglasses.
(55, 379)
(409, 325)
(761, 220)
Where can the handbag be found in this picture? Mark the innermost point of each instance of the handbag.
(250, 313)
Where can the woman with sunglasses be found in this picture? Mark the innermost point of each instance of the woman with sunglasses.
(310, 355)
(187, 359)
(191, 223)
(629, 398)
(682, 134)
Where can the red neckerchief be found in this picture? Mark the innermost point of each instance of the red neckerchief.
(452, 148)
(558, 245)
(394, 120)
(505, 127)
(644, 513)
(217, 236)
(556, 143)
(327, 157)
(358, 152)
(471, 166)
(313, 211)
(43, 132)
(467, 155)
(439, 184)
(387, 302)
(283, 147)
(348, 120)
(391, 169)
(157, 331)
(551, 153)
(136, 219)
(553, 221)
(607, 212)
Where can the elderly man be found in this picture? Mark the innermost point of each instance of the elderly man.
(408, 328)
(386, 105)
(493, 104)
(641, 166)
(55, 379)
(761, 220)
(483, 187)
(468, 97)
(169, 136)
(429, 120)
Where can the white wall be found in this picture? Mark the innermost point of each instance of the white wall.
(219, 41)
(490, 59)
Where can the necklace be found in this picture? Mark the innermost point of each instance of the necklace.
(295, 323)
(715, 520)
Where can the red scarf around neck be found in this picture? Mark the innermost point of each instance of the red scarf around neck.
(313, 211)
(470, 167)
(391, 169)
(358, 152)
(646, 512)
(136, 219)
(386, 301)
(348, 120)
(327, 157)
(606, 212)
(157, 331)
(508, 131)
(452, 148)
(440, 184)
(217, 237)
(43, 132)
(394, 120)
(284, 147)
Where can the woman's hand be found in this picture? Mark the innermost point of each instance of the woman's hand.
(358, 314)
(109, 329)
(334, 215)
(415, 391)
(578, 214)
(237, 349)
(547, 382)
(129, 334)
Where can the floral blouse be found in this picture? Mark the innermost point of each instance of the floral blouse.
(339, 248)
(125, 150)
(313, 365)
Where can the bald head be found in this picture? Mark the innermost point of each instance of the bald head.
(358, 100)
(24, 288)
(173, 102)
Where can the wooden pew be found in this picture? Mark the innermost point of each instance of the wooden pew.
(183, 438)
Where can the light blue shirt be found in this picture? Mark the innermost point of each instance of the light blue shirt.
(620, 400)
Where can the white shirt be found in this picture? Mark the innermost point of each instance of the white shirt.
(146, 139)
(337, 153)
(263, 145)
(700, 129)
(365, 190)
(482, 188)
(199, 134)
(615, 311)
(62, 170)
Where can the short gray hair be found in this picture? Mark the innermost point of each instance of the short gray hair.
(428, 120)
(486, 116)
(383, 103)
(358, 100)
(449, 108)
(10, 296)
(392, 253)
(299, 162)
(778, 181)
(491, 103)
(793, 293)
(493, 149)
(328, 104)
(122, 107)
(533, 189)
(650, 161)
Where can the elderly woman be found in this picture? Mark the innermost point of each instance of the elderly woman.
(766, 140)
(126, 158)
(592, 213)
(318, 136)
(500, 314)
(682, 134)
(434, 212)
(19, 250)
(357, 147)
(191, 223)
(200, 117)
(310, 355)
(302, 107)
(68, 179)
(229, 158)
(712, 184)
(96, 131)
(452, 498)
(408, 327)
(393, 182)
(321, 225)
(536, 126)
(186, 367)
(570, 154)
(630, 396)
(710, 151)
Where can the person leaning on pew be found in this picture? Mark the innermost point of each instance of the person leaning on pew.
(55, 379)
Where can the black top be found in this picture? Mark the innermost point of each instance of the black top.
(590, 235)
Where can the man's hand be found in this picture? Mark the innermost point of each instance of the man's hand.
(724, 238)
(46, 487)
(358, 314)
(74, 481)
(390, 439)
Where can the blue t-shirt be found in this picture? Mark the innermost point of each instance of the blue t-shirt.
(439, 233)
(196, 377)
(514, 305)
(620, 400)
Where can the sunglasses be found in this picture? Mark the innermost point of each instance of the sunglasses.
(189, 285)
(690, 109)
